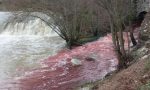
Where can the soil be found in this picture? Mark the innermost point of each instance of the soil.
(128, 79)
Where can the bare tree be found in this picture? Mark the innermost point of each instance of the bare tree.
(72, 21)
(120, 14)
(76, 19)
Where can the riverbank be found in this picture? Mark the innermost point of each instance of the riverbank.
(131, 78)
(136, 76)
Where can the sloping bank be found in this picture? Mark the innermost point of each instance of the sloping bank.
(137, 76)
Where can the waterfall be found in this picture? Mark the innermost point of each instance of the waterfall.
(31, 27)
(24, 43)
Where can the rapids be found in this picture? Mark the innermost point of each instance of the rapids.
(23, 46)
(33, 57)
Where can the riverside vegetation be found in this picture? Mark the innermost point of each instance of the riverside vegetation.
(78, 22)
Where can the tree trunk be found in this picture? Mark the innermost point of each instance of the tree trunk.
(133, 39)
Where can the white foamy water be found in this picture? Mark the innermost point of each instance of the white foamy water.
(32, 27)
(24, 45)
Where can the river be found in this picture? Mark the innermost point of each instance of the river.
(23, 46)
(34, 57)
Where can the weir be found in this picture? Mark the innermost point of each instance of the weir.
(33, 57)
(23, 45)
(28, 26)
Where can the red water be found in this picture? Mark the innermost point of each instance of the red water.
(57, 72)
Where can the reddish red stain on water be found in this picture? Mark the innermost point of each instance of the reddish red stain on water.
(58, 73)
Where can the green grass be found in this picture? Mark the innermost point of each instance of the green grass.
(147, 67)
(145, 87)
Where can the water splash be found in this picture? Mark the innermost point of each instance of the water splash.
(31, 27)
(22, 47)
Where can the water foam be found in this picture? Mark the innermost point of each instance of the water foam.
(31, 27)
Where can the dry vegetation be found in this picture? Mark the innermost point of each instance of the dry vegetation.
(129, 79)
